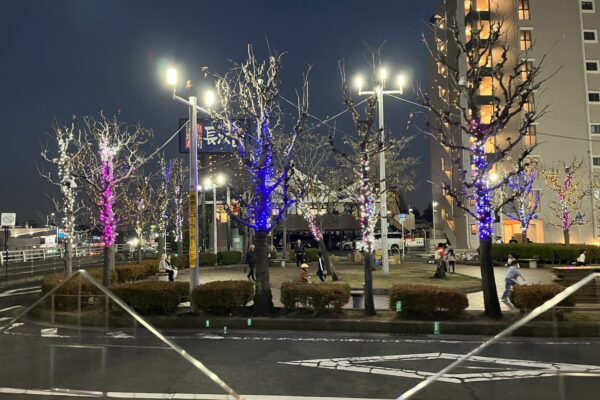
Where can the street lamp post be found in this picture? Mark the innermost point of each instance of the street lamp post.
(208, 183)
(433, 206)
(380, 91)
(191, 103)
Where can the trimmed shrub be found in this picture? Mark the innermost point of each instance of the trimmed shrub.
(547, 253)
(183, 290)
(182, 261)
(150, 297)
(66, 297)
(528, 297)
(428, 299)
(310, 255)
(229, 257)
(130, 273)
(207, 258)
(222, 297)
(315, 296)
(98, 273)
(151, 267)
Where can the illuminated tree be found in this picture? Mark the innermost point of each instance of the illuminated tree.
(64, 158)
(493, 132)
(137, 210)
(565, 181)
(249, 116)
(111, 156)
(160, 202)
(177, 195)
(525, 200)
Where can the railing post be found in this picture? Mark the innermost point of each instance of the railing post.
(79, 303)
(52, 309)
(1, 258)
(24, 255)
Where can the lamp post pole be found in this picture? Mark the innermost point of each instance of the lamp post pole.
(380, 91)
(215, 239)
(433, 205)
(228, 202)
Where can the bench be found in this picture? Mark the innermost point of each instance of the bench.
(162, 276)
(532, 262)
(358, 298)
(277, 261)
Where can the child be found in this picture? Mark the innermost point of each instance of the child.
(511, 279)
(304, 277)
(451, 261)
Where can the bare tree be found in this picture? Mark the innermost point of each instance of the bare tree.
(111, 155)
(64, 157)
(526, 201)
(249, 117)
(137, 203)
(457, 123)
(178, 184)
(565, 181)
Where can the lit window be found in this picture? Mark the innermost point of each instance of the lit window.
(526, 69)
(590, 36)
(587, 6)
(486, 112)
(482, 5)
(530, 139)
(441, 69)
(594, 97)
(467, 6)
(525, 41)
(490, 146)
(529, 107)
(442, 92)
(524, 9)
(595, 129)
(486, 87)
(591, 66)
(473, 229)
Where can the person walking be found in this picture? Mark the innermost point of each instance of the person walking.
(511, 279)
(299, 251)
(321, 270)
(440, 261)
(304, 277)
(451, 258)
(251, 261)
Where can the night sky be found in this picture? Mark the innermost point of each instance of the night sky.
(76, 57)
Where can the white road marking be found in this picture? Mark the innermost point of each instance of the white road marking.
(21, 291)
(177, 396)
(362, 364)
(9, 308)
(118, 335)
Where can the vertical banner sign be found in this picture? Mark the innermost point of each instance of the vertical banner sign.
(193, 234)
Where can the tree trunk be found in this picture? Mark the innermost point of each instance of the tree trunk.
(330, 270)
(567, 235)
(139, 253)
(109, 264)
(161, 244)
(68, 257)
(369, 302)
(490, 294)
(284, 243)
(179, 248)
(263, 299)
(524, 237)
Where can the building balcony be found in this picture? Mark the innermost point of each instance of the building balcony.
(478, 16)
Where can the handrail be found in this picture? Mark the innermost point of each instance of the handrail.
(529, 317)
(196, 363)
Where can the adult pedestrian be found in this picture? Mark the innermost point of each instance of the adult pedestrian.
(321, 270)
(451, 258)
(299, 251)
(304, 277)
(170, 269)
(251, 261)
(511, 279)
(440, 261)
(513, 240)
(581, 259)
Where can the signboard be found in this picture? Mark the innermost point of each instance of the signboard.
(209, 140)
(193, 211)
(8, 219)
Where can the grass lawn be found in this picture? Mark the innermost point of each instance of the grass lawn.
(354, 276)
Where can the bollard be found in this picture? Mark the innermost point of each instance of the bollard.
(224, 330)
(398, 306)
(207, 323)
(436, 328)
(249, 321)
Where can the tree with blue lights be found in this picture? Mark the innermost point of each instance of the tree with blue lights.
(479, 109)
(249, 117)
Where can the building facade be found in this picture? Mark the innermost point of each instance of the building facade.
(565, 34)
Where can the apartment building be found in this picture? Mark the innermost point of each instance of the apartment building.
(566, 32)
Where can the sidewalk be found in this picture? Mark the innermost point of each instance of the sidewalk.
(279, 275)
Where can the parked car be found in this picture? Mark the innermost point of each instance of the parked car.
(394, 242)
(349, 244)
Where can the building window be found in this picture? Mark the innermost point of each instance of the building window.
(441, 69)
(594, 97)
(592, 66)
(486, 87)
(596, 161)
(467, 6)
(595, 129)
(530, 139)
(526, 69)
(482, 5)
(590, 36)
(529, 107)
(525, 41)
(473, 229)
(524, 9)
(587, 6)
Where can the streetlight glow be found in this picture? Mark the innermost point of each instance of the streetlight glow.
(401, 80)
(209, 98)
(358, 82)
(207, 182)
(434, 204)
(220, 179)
(172, 76)
(383, 74)
(493, 177)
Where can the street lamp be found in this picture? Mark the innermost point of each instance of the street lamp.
(208, 182)
(433, 206)
(380, 90)
(191, 103)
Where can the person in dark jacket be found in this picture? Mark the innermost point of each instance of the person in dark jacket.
(251, 261)
(321, 270)
(299, 250)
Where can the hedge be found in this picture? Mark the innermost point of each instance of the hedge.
(182, 261)
(222, 297)
(229, 257)
(547, 253)
(428, 299)
(528, 297)
(150, 297)
(207, 258)
(310, 255)
(315, 296)
(66, 297)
